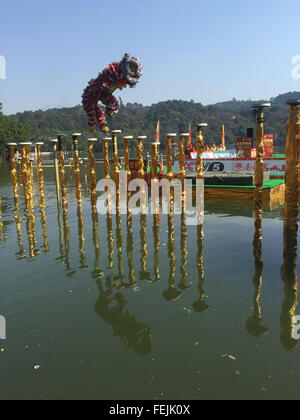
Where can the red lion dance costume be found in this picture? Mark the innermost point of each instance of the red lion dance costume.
(114, 76)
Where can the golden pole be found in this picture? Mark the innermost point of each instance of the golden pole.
(200, 150)
(40, 173)
(85, 175)
(28, 184)
(14, 180)
(54, 147)
(199, 165)
(154, 153)
(182, 172)
(116, 171)
(169, 140)
(126, 156)
(259, 164)
(71, 175)
(26, 171)
(77, 168)
(105, 148)
(126, 141)
(169, 175)
(292, 174)
(140, 155)
(40, 176)
(115, 157)
(62, 173)
(93, 180)
(14, 175)
(290, 235)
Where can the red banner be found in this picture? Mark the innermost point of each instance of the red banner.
(244, 147)
(268, 145)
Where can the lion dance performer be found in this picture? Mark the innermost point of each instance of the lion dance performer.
(115, 76)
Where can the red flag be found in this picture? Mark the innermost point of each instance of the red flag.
(190, 135)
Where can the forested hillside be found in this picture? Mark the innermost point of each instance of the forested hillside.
(136, 119)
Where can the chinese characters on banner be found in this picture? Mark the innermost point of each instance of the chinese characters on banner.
(243, 147)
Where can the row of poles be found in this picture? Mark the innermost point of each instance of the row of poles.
(292, 157)
(115, 243)
(289, 273)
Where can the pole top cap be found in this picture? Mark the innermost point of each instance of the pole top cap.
(261, 105)
(293, 102)
(25, 144)
(39, 143)
(142, 137)
(75, 134)
(116, 131)
(54, 141)
(172, 135)
(93, 139)
(202, 125)
(155, 143)
(185, 135)
(11, 144)
(128, 138)
(107, 138)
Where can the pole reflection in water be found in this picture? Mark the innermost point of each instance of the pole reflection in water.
(290, 280)
(184, 284)
(171, 293)
(119, 243)
(156, 238)
(111, 308)
(144, 274)
(97, 271)
(81, 239)
(93, 183)
(254, 324)
(200, 305)
(3, 237)
(83, 263)
(130, 250)
(110, 241)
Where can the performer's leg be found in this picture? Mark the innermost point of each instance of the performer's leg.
(91, 114)
(112, 105)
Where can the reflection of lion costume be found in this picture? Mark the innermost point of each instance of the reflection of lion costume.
(114, 76)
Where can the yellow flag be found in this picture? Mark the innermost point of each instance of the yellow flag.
(223, 137)
(157, 133)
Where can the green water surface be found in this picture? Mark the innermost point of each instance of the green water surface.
(118, 325)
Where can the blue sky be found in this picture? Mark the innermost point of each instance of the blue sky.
(205, 50)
